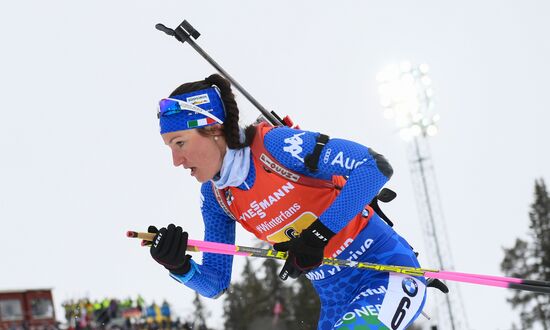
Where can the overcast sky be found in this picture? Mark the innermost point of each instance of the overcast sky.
(82, 160)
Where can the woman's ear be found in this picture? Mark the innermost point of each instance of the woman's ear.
(216, 129)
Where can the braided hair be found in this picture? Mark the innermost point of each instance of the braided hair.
(231, 129)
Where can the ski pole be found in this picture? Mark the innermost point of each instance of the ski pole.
(488, 280)
(186, 33)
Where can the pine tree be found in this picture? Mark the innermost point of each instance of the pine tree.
(306, 303)
(233, 307)
(241, 305)
(252, 301)
(201, 314)
(281, 293)
(530, 259)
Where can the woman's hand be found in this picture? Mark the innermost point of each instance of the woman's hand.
(306, 251)
(169, 248)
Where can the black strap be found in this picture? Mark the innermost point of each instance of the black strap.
(385, 195)
(311, 160)
(435, 283)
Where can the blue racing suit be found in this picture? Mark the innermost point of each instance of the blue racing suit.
(350, 298)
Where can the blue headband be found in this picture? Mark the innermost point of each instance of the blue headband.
(191, 110)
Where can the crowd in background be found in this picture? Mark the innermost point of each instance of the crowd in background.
(127, 314)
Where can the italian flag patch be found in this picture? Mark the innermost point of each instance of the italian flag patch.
(200, 122)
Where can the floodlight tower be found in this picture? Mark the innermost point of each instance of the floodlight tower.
(407, 96)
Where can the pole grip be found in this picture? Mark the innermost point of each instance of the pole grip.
(164, 29)
(141, 235)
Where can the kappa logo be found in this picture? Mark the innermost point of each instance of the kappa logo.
(295, 147)
(409, 286)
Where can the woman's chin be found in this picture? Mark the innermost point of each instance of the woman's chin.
(201, 178)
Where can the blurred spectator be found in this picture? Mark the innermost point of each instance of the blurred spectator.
(127, 314)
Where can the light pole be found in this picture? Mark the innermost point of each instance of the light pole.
(407, 97)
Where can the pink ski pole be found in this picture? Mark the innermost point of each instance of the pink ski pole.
(489, 280)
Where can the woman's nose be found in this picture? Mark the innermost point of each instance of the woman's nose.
(178, 159)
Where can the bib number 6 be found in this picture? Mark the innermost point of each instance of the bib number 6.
(400, 313)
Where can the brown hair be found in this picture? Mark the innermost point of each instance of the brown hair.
(231, 122)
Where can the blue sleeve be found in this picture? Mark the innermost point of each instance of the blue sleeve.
(367, 171)
(212, 278)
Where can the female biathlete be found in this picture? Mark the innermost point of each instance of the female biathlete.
(301, 191)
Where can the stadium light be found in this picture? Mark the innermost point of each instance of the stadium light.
(406, 95)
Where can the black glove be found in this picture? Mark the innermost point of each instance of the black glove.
(306, 251)
(168, 249)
